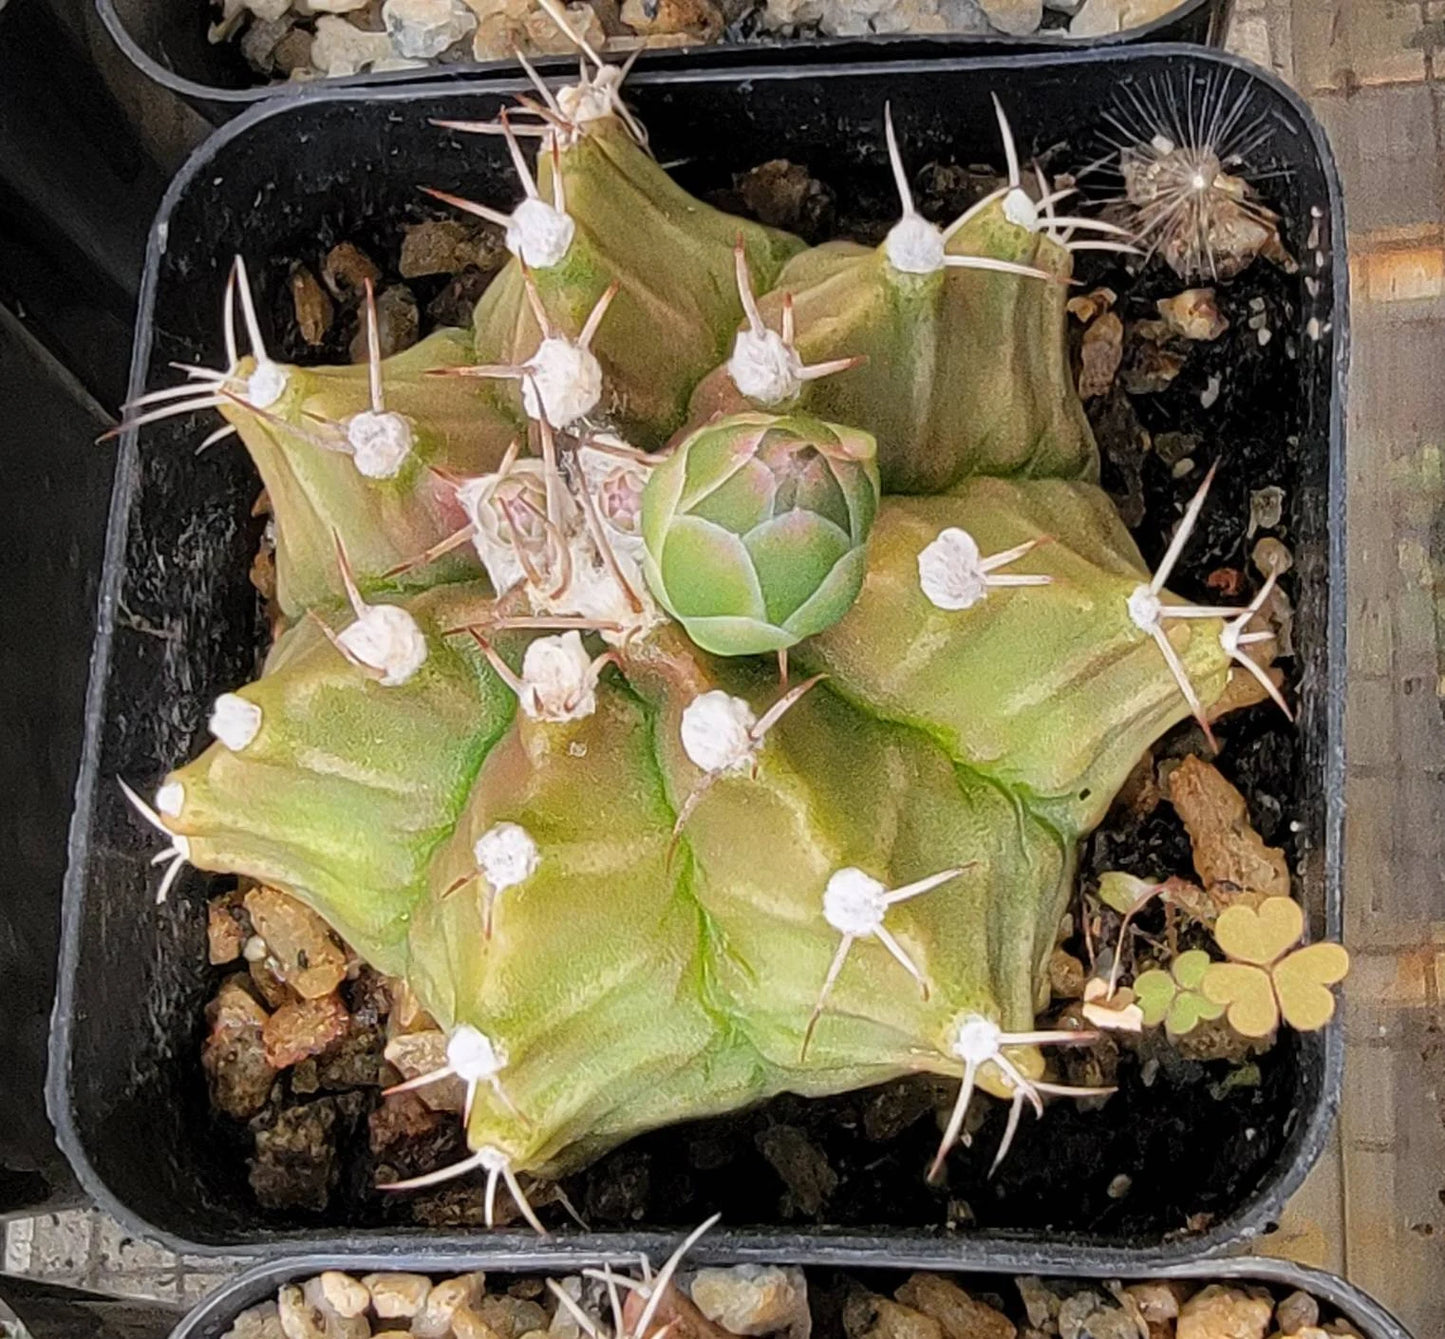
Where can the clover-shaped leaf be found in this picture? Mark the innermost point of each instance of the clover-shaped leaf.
(1174, 998)
(1265, 980)
(1123, 892)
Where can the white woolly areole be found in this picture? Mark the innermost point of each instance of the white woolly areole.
(557, 681)
(595, 593)
(379, 442)
(1019, 210)
(950, 570)
(234, 721)
(914, 246)
(506, 856)
(716, 732)
(491, 528)
(592, 99)
(854, 903)
(976, 1039)
(474, 1056)
(171, 799)
(616, 485)
(492, 1159)
(388, 639)
(539, 234)
(1145, 608)
(563, 382)
(266, 384)
(764, 368)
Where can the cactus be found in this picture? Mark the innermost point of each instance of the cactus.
(522, 741)
(959, 368)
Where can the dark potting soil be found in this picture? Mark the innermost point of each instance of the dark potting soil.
(1142, 1161)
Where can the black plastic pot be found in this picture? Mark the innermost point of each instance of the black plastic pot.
(49, 1311)
(53, 490)
(212, 1318)
(167, 40)
(125, 1088)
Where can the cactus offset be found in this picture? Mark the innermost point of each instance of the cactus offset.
(636, 873)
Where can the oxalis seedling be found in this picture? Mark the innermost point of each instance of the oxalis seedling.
(543, 665)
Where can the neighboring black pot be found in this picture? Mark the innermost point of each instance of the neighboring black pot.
(126, 1090)
(214, 1316)
(50, 1311)
(167, 40)
(54, 483)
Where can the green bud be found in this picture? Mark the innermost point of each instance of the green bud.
(756, 530)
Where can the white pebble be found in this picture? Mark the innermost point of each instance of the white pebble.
(425, 28)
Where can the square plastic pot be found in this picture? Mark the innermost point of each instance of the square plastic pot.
(215, 1315)
(178, 625)
(166, 39)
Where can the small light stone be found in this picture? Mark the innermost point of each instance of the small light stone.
(1297, 1313)
(444, 1302)
(425, 28)
(344, 1294)
(397, 1296)
(1018, 18)
(342, 49)
(1218, 1312)
(755, 1300)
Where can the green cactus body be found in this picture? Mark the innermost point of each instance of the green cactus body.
(756, 527)
(627, 990)
(648, 871)
(677, 306)
(317, 493)
(348, 786)
(966, 371)
(1051, 691)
